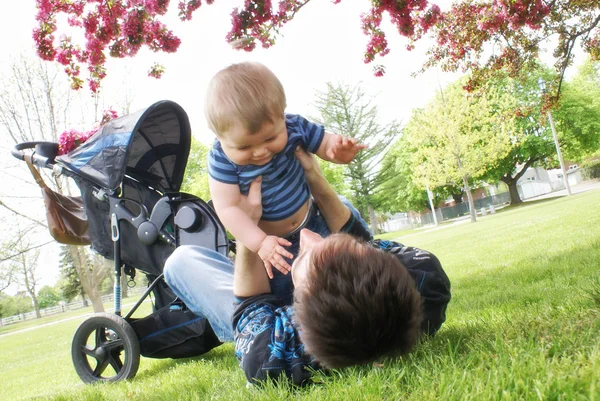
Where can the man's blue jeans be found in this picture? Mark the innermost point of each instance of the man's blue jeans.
(203, 279)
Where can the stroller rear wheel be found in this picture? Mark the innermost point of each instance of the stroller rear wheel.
(105, 348)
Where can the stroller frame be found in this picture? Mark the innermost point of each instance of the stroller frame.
(147, 152)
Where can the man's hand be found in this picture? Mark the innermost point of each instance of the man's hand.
(251, 204)
(249, 278)
(342, 150)
(310, 165)
(272, 253)
(335, 213)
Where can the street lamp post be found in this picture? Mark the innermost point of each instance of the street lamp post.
(430, 197)
(542, 85)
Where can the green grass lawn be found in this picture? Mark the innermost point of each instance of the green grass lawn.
(523, 324)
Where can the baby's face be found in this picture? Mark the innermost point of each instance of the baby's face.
(259, 148)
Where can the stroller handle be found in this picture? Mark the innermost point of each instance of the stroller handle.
(43, 154)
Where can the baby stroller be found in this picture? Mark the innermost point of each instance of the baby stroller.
(129, 174)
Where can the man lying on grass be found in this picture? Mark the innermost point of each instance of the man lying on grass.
(355, 300)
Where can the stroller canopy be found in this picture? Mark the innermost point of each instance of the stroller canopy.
(150, 145)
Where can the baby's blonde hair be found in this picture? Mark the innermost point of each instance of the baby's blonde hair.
(247, 93)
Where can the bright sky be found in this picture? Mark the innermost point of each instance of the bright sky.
(324, 43)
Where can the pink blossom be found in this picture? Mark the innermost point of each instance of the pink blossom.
(72, 138)
(156, 71)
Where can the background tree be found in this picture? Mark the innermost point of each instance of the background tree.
(70, 284)
(348, 111)
(457, 137)
(25, 263)
(195, 180)
(532, 142)
(6, 278)
(515, 30)
(4, 305)
(18, 260)
(48, 297)
(34, 107)
(92, 269)
(27, 267)
(336, 175)
(6, 269)
(404, 192)
(14, 305)
(401, 193)
(577, 115)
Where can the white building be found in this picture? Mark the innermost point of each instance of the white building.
(538, 181)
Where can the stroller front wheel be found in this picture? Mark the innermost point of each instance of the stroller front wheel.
(105, 348)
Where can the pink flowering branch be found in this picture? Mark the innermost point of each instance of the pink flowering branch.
(115, 28)
(71, 139)
(259, 21)
(514, 29)
(517, 29)
(120, 28)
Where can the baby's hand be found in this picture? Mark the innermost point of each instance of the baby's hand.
(272, 253)
(343, 150)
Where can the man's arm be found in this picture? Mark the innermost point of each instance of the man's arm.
(250, 277)
(335, 213)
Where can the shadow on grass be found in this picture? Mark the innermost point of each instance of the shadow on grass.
(221, 356)
(536, 202)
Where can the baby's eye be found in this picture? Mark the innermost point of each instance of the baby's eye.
(243, 148)
(271, 139)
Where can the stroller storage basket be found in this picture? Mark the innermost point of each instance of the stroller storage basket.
(173, 331)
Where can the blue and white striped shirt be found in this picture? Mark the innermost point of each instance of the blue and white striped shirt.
(284, 187)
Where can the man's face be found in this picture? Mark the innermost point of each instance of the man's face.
(309, 243)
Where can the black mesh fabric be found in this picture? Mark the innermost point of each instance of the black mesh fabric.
(147, 258)
(174, 333)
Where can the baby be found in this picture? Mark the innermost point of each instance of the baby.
(245, 106)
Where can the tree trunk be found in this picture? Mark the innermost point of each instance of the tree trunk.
(90, 276)
(96, 301)
(30, 284)
(84, 301)
(511, 182)
(124, 286)
(515, 198)
(472, 210)
(457, 198)
(36, 306)
(372, 220)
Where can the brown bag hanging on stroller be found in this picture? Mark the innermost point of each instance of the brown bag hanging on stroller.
(67, 220)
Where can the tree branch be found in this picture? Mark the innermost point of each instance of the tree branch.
(22, 215)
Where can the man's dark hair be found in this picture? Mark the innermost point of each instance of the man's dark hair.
(358, 304)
